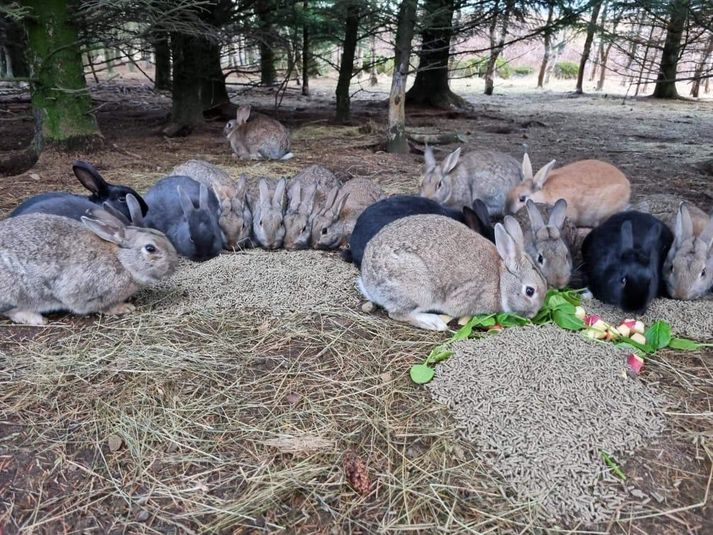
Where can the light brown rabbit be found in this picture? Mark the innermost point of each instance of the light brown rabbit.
(260, 138)
(268, 211)
(422, 265)
(549, 244)
(306, 196)
(487, 175)
(50, 263)
(593, 189)
(688, 269)
(235, 219)
(666, 207)
(332, 226)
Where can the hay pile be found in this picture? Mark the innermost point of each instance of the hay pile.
(692, 319)
(279, 281)
(540, 403)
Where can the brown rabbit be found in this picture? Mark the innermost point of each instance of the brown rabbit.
(261, 138)
(333, 225)
(594, 190)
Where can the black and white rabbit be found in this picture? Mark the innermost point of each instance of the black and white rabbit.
(75, 206)
(388, 210)
(187, 212)
(623, 259)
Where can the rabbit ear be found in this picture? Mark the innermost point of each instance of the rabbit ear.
(108, 212)
(526, 167)
(541, 176)
(536, 221)
(106, 230)
(90, 178)
(278, 199)
(241, 187)
(309, 197)
(472, 220)
(203, 197)
(451, 161)
(429, 160)
(339, 205)
(329, 202)
(626, 236)
(185, 202)
(137, 216)
(481, 211)
(558, 214)
(684, 224)
(507, 248)
(707, 235)
(514, 230)
(264, 190)
(243, 114)
(295, 198)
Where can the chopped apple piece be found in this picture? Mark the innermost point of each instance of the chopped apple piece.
(580, 313)
(638, 338)
(465, 319)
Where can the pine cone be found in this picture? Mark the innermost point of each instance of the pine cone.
(357, 473)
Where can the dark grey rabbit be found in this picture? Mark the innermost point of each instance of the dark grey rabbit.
(623, 259)
(388, 210)
(187, 212)
(75, 206)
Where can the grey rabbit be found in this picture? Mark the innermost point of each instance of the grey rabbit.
(50, 263)
(187, 212)
(268, 212)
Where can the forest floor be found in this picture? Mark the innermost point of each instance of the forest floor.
(244, 413)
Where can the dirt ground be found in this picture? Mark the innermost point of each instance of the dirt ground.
(246, 421)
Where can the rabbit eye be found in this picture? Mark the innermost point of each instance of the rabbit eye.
(324, 231)
(440, 183)
(540, 259)
(304, 228)
(623, 281)
(530, 291)
(260, 223)
(122, 198)
(150, 248)
(703, 273)
(523, 198)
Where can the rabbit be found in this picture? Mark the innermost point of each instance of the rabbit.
(594, 190)
(688, 269)
(74, 206)
(484, 174)
(268, 213)
(549, 244)
(234, 219)
(135, 219)
(423, 265)
(50, 263)
(187, 212)
(381, 213)
(260, 138)
(306, 195)
(623, 259)
(332, 226)
(666, 207)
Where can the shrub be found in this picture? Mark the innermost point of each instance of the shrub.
(386, 66)
(522, 70)
(503, 68)
(566, 70)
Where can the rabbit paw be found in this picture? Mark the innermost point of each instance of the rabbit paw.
(121, 308)
(26, 317)
(424, 320)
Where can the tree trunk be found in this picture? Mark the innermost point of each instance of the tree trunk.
(61, 103)
(666, 79)
(306, 59)
(649, 43)
(346, 67)
(162, 54)
(700, 67)
(430, 88)
(396, 134)
(603, 65)
(497, 47)
(548, 45)
(631, 53)
(587, 46)
(16, 43)
(187, 109)
(213, 90)
(268, 74)
(373, 79)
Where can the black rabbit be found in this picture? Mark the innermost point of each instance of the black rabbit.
(388, 210)
(623, 259)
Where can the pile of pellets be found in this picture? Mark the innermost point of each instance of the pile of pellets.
(540, 404)
(276, 281)
(691, 319)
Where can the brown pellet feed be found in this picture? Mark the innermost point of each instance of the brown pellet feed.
(275, 281)
(692, 319)
(539, 404)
